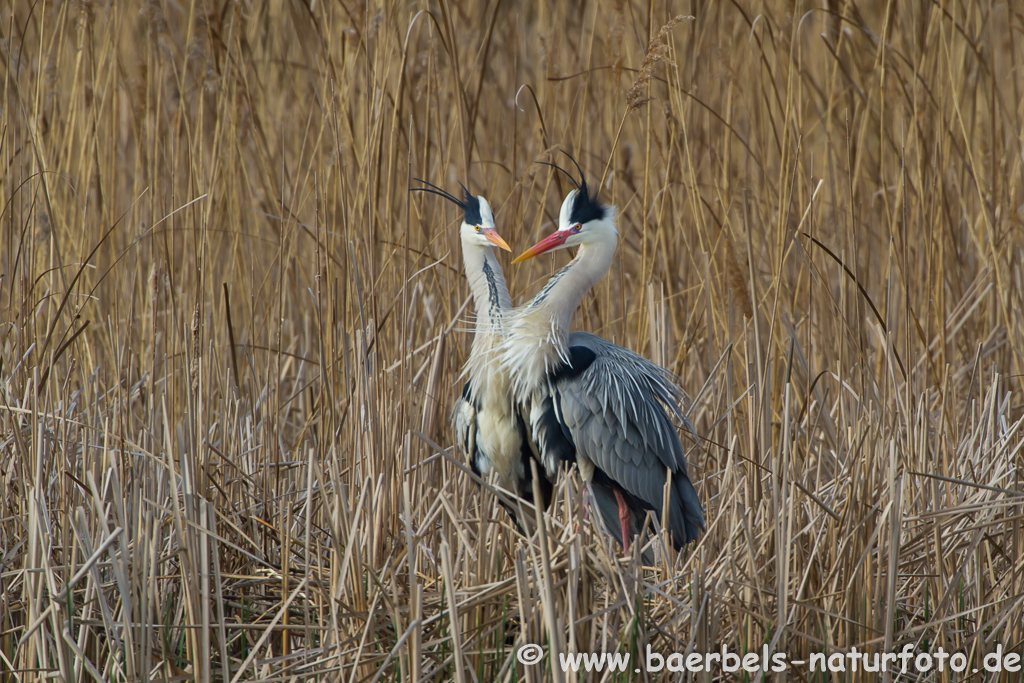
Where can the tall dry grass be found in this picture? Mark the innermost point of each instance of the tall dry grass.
(230, 338)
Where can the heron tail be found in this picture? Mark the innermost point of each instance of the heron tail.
(687, 519)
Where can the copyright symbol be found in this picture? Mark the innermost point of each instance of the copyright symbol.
(529, 654)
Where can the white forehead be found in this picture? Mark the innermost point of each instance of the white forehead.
(486, 215)
(566, 210)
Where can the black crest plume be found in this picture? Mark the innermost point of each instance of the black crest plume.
(586, 207)
(470, 205)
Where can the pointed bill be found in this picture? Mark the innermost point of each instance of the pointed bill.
(552, 241)
(494, 238)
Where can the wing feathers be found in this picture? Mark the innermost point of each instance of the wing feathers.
(615, 409)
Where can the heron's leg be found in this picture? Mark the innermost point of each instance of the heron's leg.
(623, 520)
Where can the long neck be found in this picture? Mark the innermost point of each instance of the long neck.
(537, 335)
(487, 284)
(564, 292)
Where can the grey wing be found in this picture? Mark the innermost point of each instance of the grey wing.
(616, 413)
(639, 373)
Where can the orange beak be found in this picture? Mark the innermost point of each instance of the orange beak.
(494, 238)
(552, 241)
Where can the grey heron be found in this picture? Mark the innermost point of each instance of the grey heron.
(488, 429)
(592, 402)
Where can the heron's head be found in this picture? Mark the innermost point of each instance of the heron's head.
(478, 223)
(477, 227)
(582, 220)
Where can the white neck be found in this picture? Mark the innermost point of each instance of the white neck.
(536, 333)
(487, 284)
(490, 299)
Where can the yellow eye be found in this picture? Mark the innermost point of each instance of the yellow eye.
(477, 228)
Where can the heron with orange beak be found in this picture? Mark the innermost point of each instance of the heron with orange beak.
(488, 429)
(588, 401)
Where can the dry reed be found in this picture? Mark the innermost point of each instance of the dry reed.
(230, 338)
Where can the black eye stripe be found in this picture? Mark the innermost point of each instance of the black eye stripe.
(470, 205)
(586, 207)
(471, 208)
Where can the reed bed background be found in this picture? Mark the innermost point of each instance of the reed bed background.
(231, 338)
